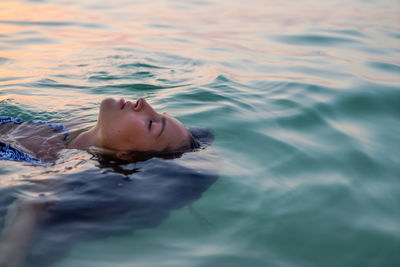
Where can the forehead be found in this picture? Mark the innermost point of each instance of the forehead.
(175, 132)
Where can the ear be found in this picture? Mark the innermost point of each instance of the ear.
(123, 156)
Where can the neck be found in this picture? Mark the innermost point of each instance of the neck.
(85, 139)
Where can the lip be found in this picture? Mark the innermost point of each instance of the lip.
(122, 103)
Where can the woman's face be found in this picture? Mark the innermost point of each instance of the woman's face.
(138, 127)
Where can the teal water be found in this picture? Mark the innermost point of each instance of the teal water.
(303, 98)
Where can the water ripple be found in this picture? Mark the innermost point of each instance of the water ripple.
(315, 40)
(4, 60)
(383, 66)
(140, 65)
(51, 23)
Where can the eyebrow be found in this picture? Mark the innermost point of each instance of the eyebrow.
(163, 121)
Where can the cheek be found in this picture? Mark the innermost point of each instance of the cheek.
(135, 136)
(130, 128)
(128, 133)
(120, 131)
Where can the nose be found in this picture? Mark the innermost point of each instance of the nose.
(142, 106)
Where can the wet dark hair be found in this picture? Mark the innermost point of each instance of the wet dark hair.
(200, 138)
(193, 143)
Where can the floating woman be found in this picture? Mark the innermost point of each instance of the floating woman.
(40, 228)
(122, 126)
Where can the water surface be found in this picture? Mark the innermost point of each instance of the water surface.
(303, 98)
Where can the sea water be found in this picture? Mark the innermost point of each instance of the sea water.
(303, 98)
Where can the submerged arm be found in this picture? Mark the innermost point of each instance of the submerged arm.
(22, 223)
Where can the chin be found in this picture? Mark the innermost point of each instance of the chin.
(106, 108)
(107, 101)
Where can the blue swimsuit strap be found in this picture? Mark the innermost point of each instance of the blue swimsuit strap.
(8, 152)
